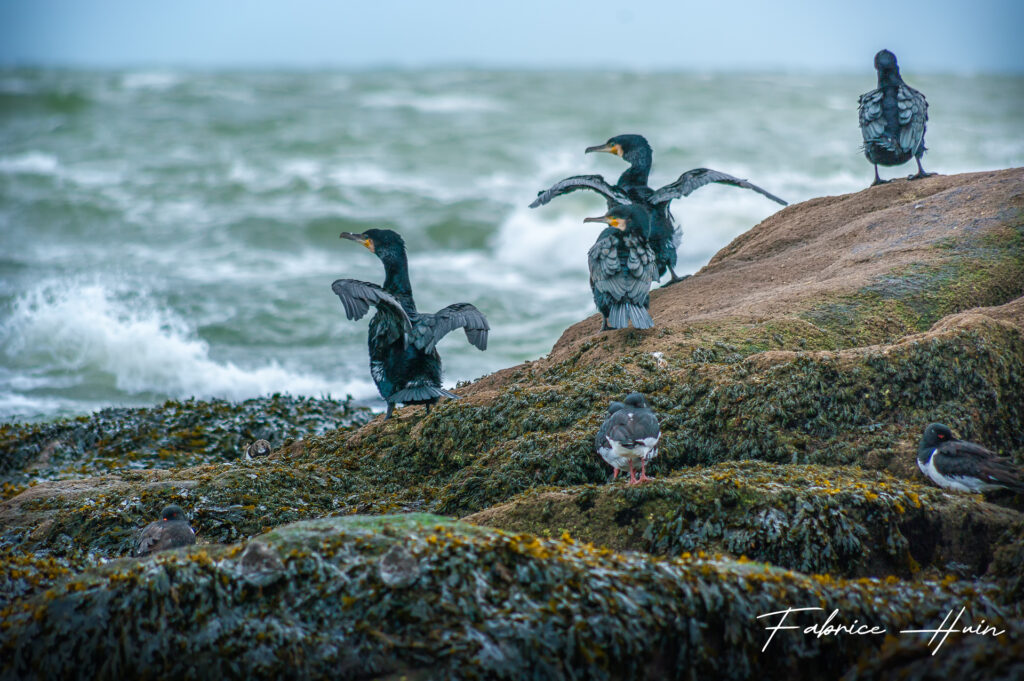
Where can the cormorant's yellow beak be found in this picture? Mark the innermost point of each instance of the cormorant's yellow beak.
(361, 238)
(610, 148)
(617, 223)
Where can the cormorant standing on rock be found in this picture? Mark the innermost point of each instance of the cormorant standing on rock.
(632, 188)
(892, 119)
(629, 436)
(170, 532)
(403, 360)
(622, 267)
(964, 466)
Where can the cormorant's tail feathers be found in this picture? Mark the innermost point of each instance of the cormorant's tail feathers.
(621, 314)
(420, 392)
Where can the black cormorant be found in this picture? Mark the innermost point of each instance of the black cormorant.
(629, 436)
(170, 532)
(892, 119)
(622, 267)
(403, 360)
(964, 466)
(632, 188)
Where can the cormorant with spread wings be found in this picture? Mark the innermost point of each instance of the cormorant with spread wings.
(403, 358)
(632, 188)
(892, 119)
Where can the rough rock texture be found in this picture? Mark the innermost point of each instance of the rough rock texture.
(475, 603)
(793, 375)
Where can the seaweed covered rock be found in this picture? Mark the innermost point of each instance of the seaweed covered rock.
(793, 376)
(479, 603)
(175, 434)
(770, 371)
(814, 519)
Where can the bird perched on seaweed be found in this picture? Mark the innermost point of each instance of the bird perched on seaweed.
(622, 267)
(892, 119)
(964, 466)
(257, 448)
(632, 187)
(404, 362)
(629, 436)
(170, 532)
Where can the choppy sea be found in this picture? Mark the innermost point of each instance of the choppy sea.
(166, 234)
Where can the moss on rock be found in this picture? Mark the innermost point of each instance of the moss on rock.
(475, 603)
(815, 519)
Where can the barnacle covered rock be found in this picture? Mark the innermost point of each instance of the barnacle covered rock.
(486, 604)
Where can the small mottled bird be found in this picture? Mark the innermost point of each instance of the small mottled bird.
(622, 268)
(632, 188)
(629, 436)
(257, 448)
(892, 119)
(404, 363)
(964, 466)
(170, 532)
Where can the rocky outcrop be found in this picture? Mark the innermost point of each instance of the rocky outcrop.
(793, 376)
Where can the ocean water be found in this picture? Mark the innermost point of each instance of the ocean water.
(166, 234)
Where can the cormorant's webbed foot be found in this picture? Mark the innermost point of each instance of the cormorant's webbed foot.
(920, 171)
(428, 407)
(878, 180)
(604, 325)
(391, 408)
(675, 279)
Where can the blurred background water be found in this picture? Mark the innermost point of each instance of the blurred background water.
(169, 233)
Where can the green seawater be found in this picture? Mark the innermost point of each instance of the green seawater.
(166, 234)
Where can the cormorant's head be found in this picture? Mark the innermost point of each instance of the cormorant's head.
(627, 218)
(636, 400)
(172, 512)
(384, 243)
(935, 434)
(885, 61)
(633, 149)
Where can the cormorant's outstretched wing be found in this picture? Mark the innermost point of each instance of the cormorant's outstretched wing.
(593, 182)
(913, 108)
(428, 329)
(869, 113)
(698, 177)
(357, 297)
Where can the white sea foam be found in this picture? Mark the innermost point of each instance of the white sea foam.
(141, 347)
(150, 80)
(31, 163)
(430, 104)
(556, 242)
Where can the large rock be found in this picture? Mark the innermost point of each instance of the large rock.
(426, 598)
(793, 374)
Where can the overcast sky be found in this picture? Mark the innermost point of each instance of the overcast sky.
(927, 35)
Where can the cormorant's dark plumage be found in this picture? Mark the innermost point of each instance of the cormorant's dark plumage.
(404, 363)
(171, 531)
(964, 466)
(622, 267)
(629, 436)
(631, 187)
(892, 119)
